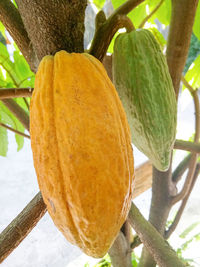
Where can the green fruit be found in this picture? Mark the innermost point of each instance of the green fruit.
(143, 82)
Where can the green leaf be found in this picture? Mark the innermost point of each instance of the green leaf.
(193, 74)
(2, 29)
(194, 51)
(22, 69)
(8, 65)
(196, 28)
(117, 3)
(163, 14)
(99, 3)
(188, 230)
(3, 142)
(159, 37)
(8, 118)
(20, 101)
(138, 14)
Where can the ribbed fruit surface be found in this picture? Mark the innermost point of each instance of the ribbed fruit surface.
(143, 82)
(82, 150)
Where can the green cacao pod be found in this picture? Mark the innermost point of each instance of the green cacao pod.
(143, 82)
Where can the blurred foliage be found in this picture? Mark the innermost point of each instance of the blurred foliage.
(106, 261)
(193, 52)
(188, 239)
(14, 73)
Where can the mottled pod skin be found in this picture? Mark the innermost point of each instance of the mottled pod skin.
(82, 150)
(143, 82)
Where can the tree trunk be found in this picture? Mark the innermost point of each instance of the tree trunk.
(54, 25)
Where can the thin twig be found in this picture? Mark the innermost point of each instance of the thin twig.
(180, 169)
(187, 85)
(14, 130)
(6, 93)
(106, 31)
(9, 73)
(186, 145)
(26, 103)
(183, 204)
(151, 14)
(21, 226)
(194, 156)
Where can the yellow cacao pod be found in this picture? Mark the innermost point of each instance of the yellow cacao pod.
(82, 150)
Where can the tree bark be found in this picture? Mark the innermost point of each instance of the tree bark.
(54, 25)
(163, 254)
(15, 232)
(120, 252)
(182, 19)
(159, 211)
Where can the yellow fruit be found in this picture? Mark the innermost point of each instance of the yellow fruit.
(81, 149)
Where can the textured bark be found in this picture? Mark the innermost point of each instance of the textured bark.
(15, 232)
(163, 254)
(120, 252)
(160, 208)
(54, 25)
(7, 93)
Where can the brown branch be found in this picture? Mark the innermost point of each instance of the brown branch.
(187, 182)
(151, 14)
(187, 85)
(126, 230)
(14, 130)
(10, 17)
(186, 145)
(19, 112)
(120, 252)
(180, 169)
(194, 156)
(182, 19)
(106, 31)
(26, 103)
(6, 93)
(160, 250)
(20, 227)
(183, 204)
